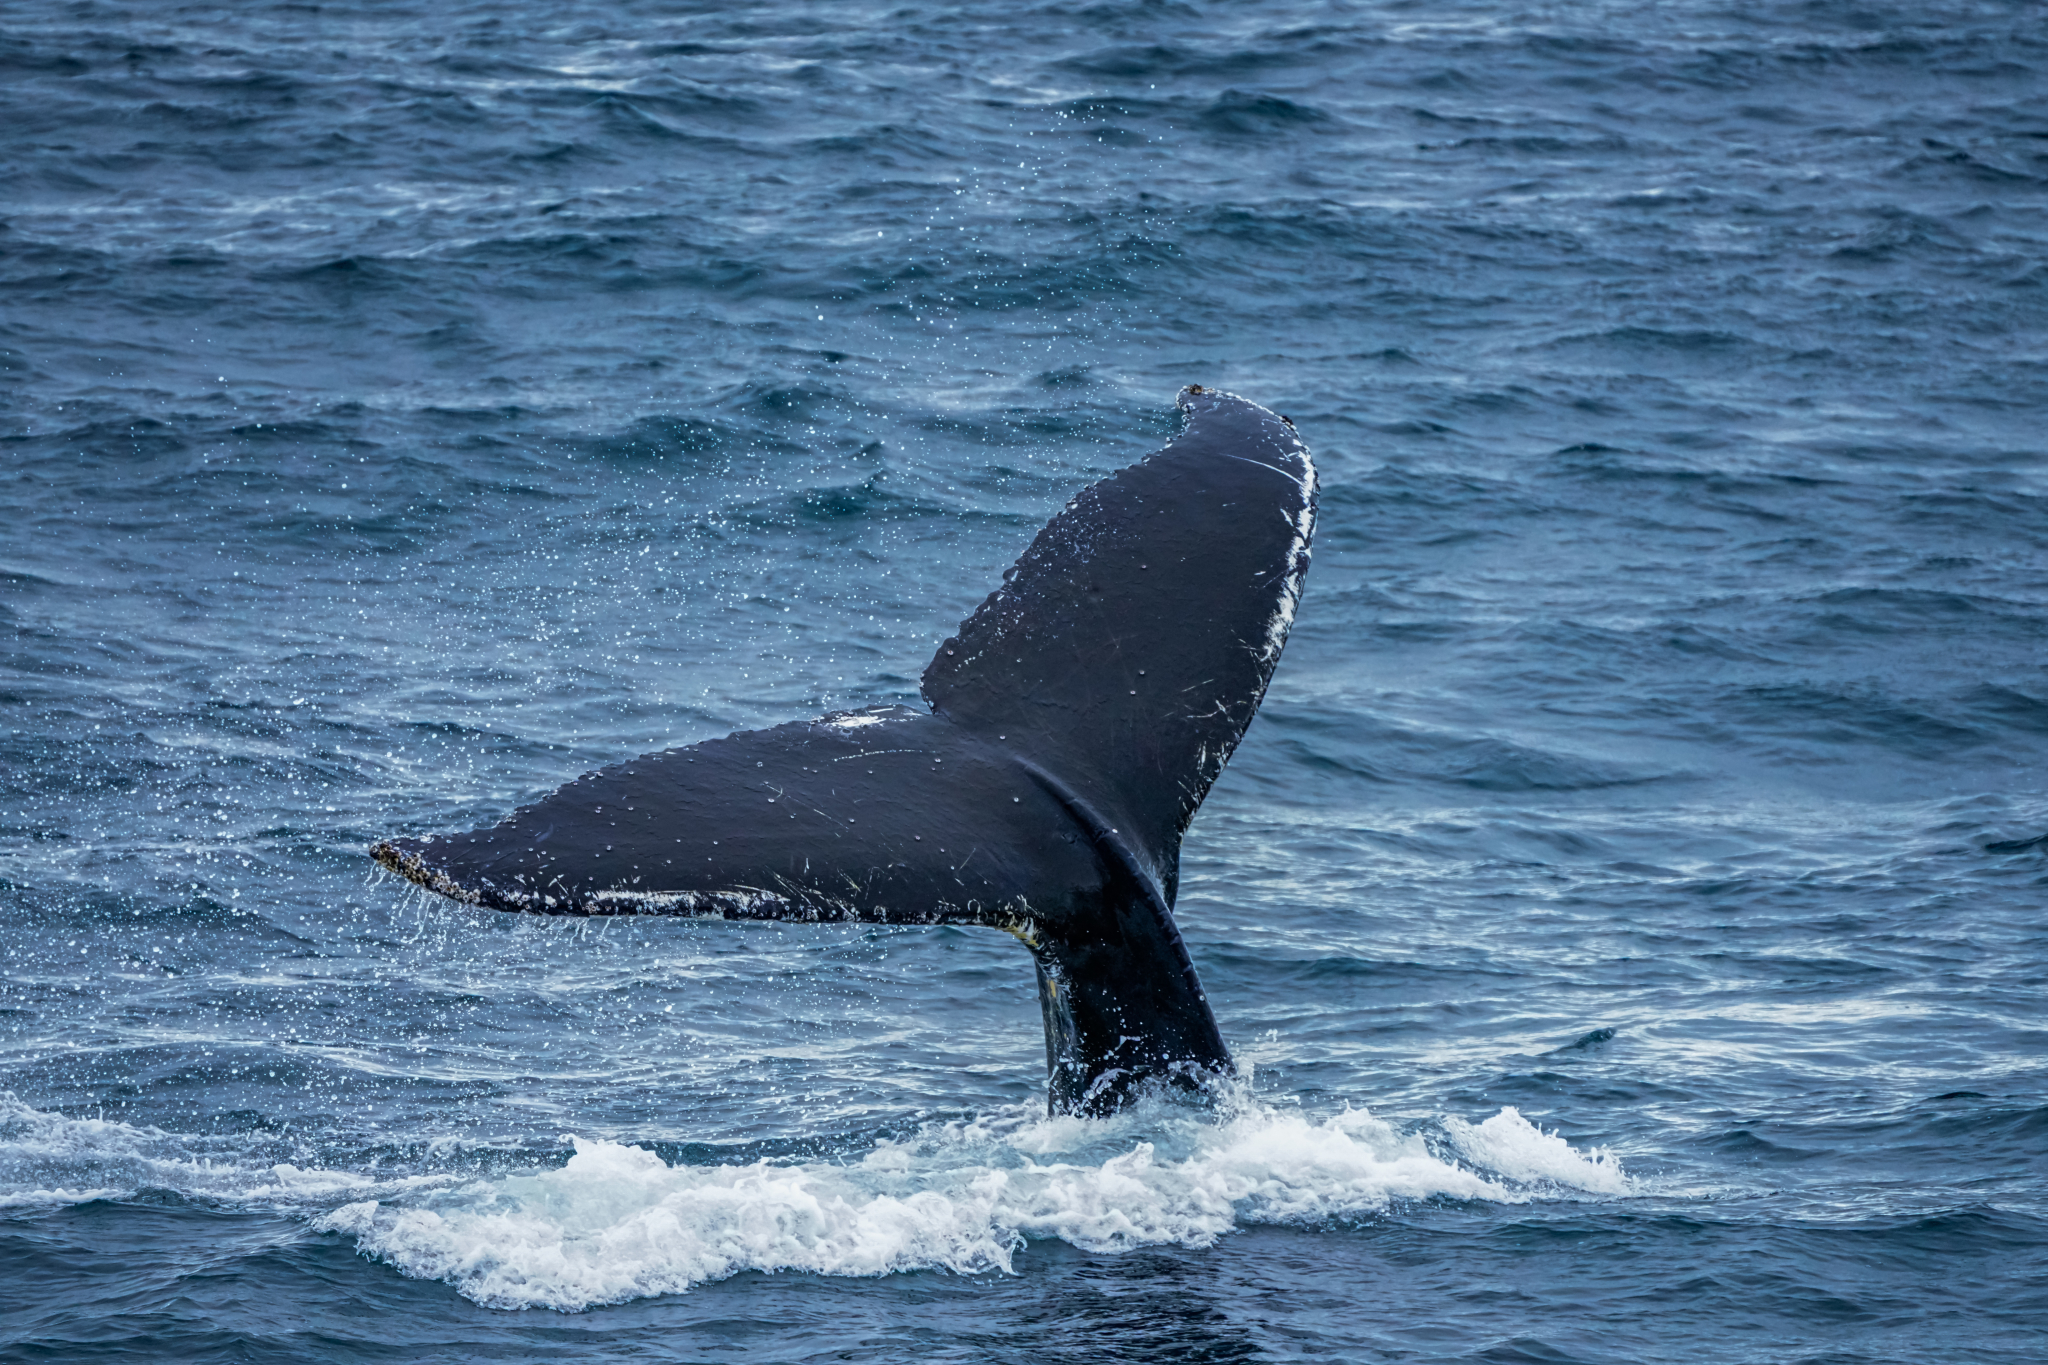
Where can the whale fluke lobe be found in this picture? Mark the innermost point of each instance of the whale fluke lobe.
(1077, 720)
(1130, 645)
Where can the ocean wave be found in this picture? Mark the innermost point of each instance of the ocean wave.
(1244, 113)
(51, 1159)
(617, 1222)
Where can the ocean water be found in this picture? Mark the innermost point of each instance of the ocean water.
(1627, 908)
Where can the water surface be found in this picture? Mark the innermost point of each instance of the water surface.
(1627, 906)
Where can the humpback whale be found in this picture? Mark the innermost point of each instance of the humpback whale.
(1075, 723)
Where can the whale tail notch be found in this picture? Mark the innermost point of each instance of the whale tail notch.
(1077, 721)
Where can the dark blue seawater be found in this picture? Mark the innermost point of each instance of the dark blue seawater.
(1628, 905)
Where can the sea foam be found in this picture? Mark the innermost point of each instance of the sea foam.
(617, 1222)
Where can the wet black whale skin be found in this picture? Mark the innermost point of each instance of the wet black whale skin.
(1077, 721)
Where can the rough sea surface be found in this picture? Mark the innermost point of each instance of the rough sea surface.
(1628, 907)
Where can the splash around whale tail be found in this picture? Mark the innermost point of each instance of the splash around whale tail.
(1077, 720)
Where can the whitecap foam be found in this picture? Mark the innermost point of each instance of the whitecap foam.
(1514, 1147)
(618, 1223)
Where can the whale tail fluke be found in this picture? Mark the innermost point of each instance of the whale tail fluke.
(1077, 720)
